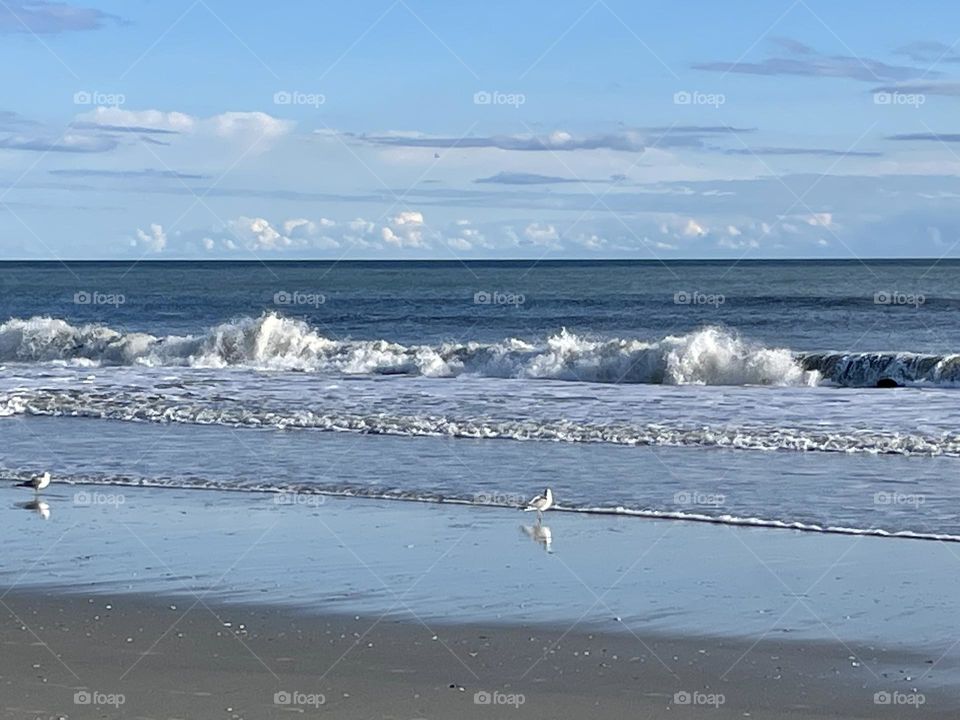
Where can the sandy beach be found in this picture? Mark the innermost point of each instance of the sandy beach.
(413, 610)
(177, 658)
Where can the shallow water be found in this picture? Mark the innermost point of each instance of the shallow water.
(450, 563)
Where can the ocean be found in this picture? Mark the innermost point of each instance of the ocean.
(741, 393)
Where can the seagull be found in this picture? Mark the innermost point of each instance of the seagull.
(37, 482)
(541, 503)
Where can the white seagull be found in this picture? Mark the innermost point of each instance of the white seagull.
(541, 503)
(37, 482)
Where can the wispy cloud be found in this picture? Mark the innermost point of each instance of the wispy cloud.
(49, 18)
(926, 137)
(86, 125)
(147, 173)
(69, 143)
(815, 152)
(558, 141)
(522, 178)
(949, 88)
(929, 51)
(795, 58)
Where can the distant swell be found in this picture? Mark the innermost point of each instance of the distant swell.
(146, 407)
(708, 356)
(311, 496)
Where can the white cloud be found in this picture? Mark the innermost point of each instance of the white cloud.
(406, 230)
(820, 219)
(463, 236)
(248, 126)
(693, 229)
(242, 127)
(154, 119)
(258, 234)
(153, 241)
(541, 234)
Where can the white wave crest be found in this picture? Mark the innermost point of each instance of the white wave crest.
(709, 356)
(146, 406)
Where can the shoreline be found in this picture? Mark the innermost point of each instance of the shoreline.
(177, 657)
(219, 600)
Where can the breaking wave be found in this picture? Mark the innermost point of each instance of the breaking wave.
(708, 356)
(135, 406)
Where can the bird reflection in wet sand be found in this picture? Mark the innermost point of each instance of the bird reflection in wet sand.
(40, 507)
(539, 534)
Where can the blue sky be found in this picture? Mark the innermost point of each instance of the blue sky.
(424, 129)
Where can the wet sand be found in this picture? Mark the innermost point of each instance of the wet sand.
(206, 604)
(189, 657)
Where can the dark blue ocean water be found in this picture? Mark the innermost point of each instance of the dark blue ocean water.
(804, 305)
(680, 389)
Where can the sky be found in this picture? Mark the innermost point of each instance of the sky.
(420, 129)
